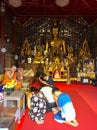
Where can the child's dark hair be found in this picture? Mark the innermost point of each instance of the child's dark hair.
(37, 74)
(55, 89)
(42, 76)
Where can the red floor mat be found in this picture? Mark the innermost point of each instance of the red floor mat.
(86, 117)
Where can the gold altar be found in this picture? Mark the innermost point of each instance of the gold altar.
(56, 59)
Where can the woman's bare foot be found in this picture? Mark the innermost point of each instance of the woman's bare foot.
(39, 122)
(55, 110)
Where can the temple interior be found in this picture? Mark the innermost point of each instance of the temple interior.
(57, 38)
(59, 42)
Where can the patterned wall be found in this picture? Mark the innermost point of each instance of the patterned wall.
(72, 29)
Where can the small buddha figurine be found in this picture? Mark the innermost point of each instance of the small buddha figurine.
(56, 46)
(57, 73)
(38, 56)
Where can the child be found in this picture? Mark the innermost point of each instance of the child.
(66, 113)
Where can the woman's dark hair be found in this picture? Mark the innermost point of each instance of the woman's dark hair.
(33, 89)
(36, 76)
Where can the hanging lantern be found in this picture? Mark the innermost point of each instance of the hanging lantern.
(62, 3)
(3, 50)
(2, 7)
(15, 3)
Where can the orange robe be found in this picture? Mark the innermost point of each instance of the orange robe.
(7, 79)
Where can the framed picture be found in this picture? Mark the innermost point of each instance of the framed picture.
(88, 66)
(29, 60)
(85, 80)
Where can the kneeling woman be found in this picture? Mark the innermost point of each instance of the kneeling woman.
(37, 105)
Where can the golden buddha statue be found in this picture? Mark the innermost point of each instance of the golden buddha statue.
(56, 46)
(38, 57)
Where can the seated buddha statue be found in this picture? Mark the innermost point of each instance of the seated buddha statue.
(38, 58)
(55, 47)
(57, 73)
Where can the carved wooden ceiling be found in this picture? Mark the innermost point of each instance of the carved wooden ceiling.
(29, 8)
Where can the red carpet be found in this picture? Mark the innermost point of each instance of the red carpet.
(86, 116)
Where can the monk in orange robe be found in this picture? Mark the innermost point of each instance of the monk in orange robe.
(11, 74)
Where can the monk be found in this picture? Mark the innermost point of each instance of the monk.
(11, 74)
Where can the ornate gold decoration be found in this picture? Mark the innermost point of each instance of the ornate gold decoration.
(26, 59)
(85, 51)
(70, 57)
(26, 50)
